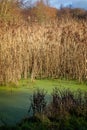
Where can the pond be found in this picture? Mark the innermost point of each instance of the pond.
(14, 105)
(15, 102)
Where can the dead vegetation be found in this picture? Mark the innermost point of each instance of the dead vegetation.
(52, 48)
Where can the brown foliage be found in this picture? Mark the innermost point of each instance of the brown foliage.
(55, 50)
(75, 13)
(41, 12)
(10, 12)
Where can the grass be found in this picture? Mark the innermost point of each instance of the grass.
(14, 100)
(47, 84)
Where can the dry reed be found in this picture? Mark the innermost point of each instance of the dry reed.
(54, 50)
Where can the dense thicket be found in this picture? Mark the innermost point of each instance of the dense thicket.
(45, 48)
(10, 12)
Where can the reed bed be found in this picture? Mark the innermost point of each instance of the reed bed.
(49, 50)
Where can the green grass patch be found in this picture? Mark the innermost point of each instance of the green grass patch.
(47, 84)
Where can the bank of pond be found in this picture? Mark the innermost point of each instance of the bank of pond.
(44, 104)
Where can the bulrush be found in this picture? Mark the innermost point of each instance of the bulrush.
(53, 50)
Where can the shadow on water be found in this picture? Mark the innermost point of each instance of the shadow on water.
(14, 105)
